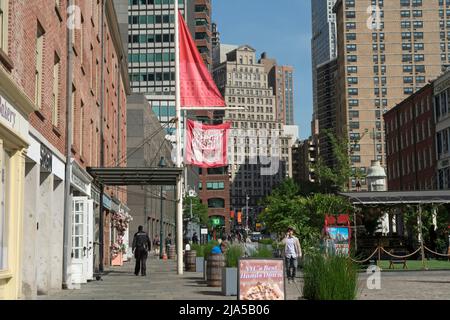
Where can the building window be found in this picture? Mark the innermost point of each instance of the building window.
(351, 47)
(55, 94)
(352, 69)
(355, 159)
(408, 79)
(216, 203)
(39, 57)
(353, 91)
(216, 185)
(4, 25)
(352, 80)
(418, 35)
(351, 36)
(406, 35)
(420, 68)
(354, 125)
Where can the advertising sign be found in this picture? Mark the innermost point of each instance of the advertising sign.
(261, 279)
(340, 239)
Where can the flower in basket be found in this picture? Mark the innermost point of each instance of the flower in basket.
(115, 249)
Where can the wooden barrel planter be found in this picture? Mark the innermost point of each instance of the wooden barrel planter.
(172, 252)
(191, 256)
(216, 262)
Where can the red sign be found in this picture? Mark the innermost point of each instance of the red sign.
(261, 279)
(206, 145)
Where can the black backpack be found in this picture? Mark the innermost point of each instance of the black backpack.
(141, 240)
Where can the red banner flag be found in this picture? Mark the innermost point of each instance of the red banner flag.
(197, 88)
(206, 145)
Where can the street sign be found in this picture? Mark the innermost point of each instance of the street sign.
(203, 231)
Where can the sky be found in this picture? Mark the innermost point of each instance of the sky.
(282, 28)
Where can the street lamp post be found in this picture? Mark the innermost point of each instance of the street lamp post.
(246, 211)
(162, 164)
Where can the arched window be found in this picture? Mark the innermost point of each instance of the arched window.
(216, 203)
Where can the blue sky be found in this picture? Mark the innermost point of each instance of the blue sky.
(282, 28)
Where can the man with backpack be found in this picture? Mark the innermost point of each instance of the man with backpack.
(141, 247)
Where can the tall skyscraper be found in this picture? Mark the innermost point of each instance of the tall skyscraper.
(323, 44)
(384, 56)
(326, 109)
(256, 131)
(281, 80)
(151, 47)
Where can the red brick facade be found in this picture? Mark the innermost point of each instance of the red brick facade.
(224, 194)
(24, 18)
(410, 143)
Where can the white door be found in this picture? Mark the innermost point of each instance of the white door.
(79, 239)
(90, 240)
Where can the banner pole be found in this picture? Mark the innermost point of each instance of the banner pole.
(178, 143)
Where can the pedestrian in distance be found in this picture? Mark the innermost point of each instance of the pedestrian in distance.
(141, 247)
(292, 252)
(195, 238)
(220, 248)
(168, 241)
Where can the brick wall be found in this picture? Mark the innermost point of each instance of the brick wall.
(24, 18)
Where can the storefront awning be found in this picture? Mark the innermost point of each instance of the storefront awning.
(398, 197)
(136, 176)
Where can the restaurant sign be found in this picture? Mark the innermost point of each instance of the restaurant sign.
(261, 279)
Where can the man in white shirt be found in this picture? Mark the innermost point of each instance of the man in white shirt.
(292, 251)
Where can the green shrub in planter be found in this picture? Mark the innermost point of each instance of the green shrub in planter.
(330, 278)
(207, 248)
(262, 252)
(200, 249)
(266, 241)
(232, 256)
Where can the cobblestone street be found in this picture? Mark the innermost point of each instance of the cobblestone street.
(162, 283)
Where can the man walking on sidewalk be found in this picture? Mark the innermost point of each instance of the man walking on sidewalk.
(292, 251)
(141, 247)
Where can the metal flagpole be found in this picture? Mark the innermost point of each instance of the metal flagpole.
(178, 142)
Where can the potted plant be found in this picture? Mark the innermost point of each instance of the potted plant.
(200, 259)
(207, 248)
(229, 273)
(262, 252)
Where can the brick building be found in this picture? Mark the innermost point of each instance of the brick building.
(410, 143)
(61, 209)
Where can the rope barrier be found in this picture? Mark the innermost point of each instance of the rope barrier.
(365, 260)
(400, 257)
(436, 253)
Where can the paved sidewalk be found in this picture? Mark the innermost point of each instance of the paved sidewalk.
(162, 283)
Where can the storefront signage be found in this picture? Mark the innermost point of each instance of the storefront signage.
(95, 194)
(261, 279)
(106, 202)
(115, 205)
(12, 119)
(339, 238)
(78, 183)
